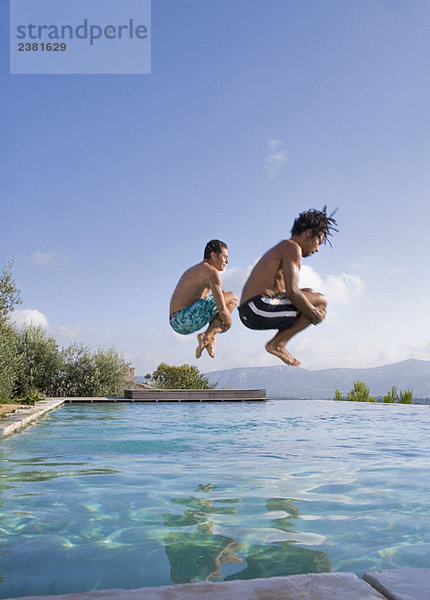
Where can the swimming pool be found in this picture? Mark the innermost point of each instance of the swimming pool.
(132, 495)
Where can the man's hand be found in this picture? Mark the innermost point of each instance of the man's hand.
(319, 315)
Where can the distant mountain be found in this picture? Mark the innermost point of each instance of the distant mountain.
(295, 382)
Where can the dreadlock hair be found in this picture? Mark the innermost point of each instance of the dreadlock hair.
(213, 246)
(317, 221)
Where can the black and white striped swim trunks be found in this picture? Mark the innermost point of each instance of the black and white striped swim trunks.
(268, 312)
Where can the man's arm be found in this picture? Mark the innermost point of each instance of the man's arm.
(291, 256)
(215, 285)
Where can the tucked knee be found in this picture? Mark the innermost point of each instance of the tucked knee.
(322, 300)
(231, 298)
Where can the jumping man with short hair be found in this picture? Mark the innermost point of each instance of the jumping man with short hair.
(191, 306)
(271, 297)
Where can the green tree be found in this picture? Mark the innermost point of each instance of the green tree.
(77, 374)
(10, 361)
(9, 294)
(110, 372)
(40, 362)
(31, 362)
(9, 357)
(174, 377)
(91, 374)
(338, 395)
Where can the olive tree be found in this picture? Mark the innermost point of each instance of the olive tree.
(40, 362)
(9, 357)
(84, 373)
(9, 294)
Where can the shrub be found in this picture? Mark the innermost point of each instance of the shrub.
(31, 398)
(10, 361)
(110, 372)
(9, 294)
(40, 362)
(9, 357)
(90, 374)
(359, 393)
(184, 377)
(392, 396)
(404, 397)
(31, 362)
(76, 377)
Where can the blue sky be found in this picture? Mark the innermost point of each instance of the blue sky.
(254, 111)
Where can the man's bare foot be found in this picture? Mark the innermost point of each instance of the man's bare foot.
(211, 348)
(203, 341)
(282, 353)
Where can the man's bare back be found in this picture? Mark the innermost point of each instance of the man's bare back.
(193, 284)
(191, 306)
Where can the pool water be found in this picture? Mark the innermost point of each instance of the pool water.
(133, 495)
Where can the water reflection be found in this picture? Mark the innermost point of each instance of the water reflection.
(196, 553)
(198, 556)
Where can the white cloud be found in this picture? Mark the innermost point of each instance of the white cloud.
(339, 289)
(234, 278)
(366, 262)
(326, 349)
(183, 339)
(29, 316)
(417, 350)
(309, 278)
(46, 259)
(343, 287)
(143, 350)
(277, 157)
(65, 335)
(275, 144)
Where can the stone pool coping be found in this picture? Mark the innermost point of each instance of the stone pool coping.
(23, 416)
(392, 584)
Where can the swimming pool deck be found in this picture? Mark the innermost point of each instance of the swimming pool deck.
(232, 395)
(25, 415)
(393, 584)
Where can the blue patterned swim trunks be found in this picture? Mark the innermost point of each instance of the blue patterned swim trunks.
(194, 317)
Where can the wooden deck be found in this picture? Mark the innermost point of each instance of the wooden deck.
(234, 395)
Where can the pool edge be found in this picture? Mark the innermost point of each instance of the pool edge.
(25, 416)
(312, 586)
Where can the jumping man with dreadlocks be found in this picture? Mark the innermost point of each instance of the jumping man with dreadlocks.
(192, 307)
(272, 299)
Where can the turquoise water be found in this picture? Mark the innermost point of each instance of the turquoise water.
(133, 495)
